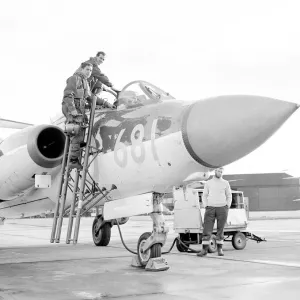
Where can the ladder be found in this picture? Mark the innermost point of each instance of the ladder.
(86, 193)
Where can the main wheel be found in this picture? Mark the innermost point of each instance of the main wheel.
(212, 246)
(239, 241)
(154, 251)
(101, 236)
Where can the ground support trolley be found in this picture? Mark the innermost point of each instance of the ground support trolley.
(189, 217)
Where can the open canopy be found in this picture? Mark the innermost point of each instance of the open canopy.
(140, 93)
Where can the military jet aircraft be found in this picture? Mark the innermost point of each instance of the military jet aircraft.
(151, 143)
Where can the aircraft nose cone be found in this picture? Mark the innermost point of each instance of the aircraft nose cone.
(220, 130)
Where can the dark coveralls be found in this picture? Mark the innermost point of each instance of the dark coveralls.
(222, 194)
(75, 95)
(97, 77)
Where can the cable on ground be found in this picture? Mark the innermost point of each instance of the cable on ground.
(176, 240)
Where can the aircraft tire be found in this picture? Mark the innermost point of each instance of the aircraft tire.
(103, 236)
(239, 241)
(154, 251)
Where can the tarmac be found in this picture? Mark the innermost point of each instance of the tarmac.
(33, 268)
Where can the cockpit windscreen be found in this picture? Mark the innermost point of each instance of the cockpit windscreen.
(140, 93)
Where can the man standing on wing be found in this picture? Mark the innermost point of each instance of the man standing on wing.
(216, 199)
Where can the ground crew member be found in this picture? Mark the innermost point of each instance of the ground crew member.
(216, 199)
(76, 94)
(98, 79)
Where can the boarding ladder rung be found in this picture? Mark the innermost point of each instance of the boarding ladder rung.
(85, 191)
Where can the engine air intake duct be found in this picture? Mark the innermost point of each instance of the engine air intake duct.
(45, 145)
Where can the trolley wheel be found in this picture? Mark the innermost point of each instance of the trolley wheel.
(101, 237)
(212, 246)
(154, 251)
(239, 241)
(180, 247)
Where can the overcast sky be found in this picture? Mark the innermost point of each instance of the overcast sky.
(192, 49)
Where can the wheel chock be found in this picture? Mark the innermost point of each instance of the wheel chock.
(157, 264)
(135, 262)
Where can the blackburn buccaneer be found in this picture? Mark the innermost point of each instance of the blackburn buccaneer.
(151, 143)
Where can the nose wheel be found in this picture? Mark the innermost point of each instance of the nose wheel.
(153, 252)
(150, 243)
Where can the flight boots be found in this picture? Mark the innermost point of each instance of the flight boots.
(204, 251)
(75, 164)
(75, 156)
(220, 251)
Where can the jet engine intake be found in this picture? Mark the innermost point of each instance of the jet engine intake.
(30, 151)
(45, 146)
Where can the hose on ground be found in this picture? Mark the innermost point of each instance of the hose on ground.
(188, 249)
(176, 240)
(121, 236)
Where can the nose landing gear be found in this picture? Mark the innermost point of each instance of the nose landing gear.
(150, 244)
(152, 252)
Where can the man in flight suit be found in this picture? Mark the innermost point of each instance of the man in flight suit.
(98, 79)
(216, 199)
(76, 95)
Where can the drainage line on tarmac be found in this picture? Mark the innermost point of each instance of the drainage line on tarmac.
(188, 249)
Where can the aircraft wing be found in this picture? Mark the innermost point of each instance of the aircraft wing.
(13, 124)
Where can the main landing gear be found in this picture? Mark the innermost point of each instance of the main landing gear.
(101, 230)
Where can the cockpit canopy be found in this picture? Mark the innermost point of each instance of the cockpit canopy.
(140, 93)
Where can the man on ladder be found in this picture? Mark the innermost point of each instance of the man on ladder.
(76, 94)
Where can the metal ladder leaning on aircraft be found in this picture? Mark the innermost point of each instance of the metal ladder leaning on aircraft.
(85, 191)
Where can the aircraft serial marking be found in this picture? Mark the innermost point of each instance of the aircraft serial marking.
(138, 151)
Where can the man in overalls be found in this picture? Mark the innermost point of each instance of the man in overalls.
(216, 199)
(75, 96)
(99, 79)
